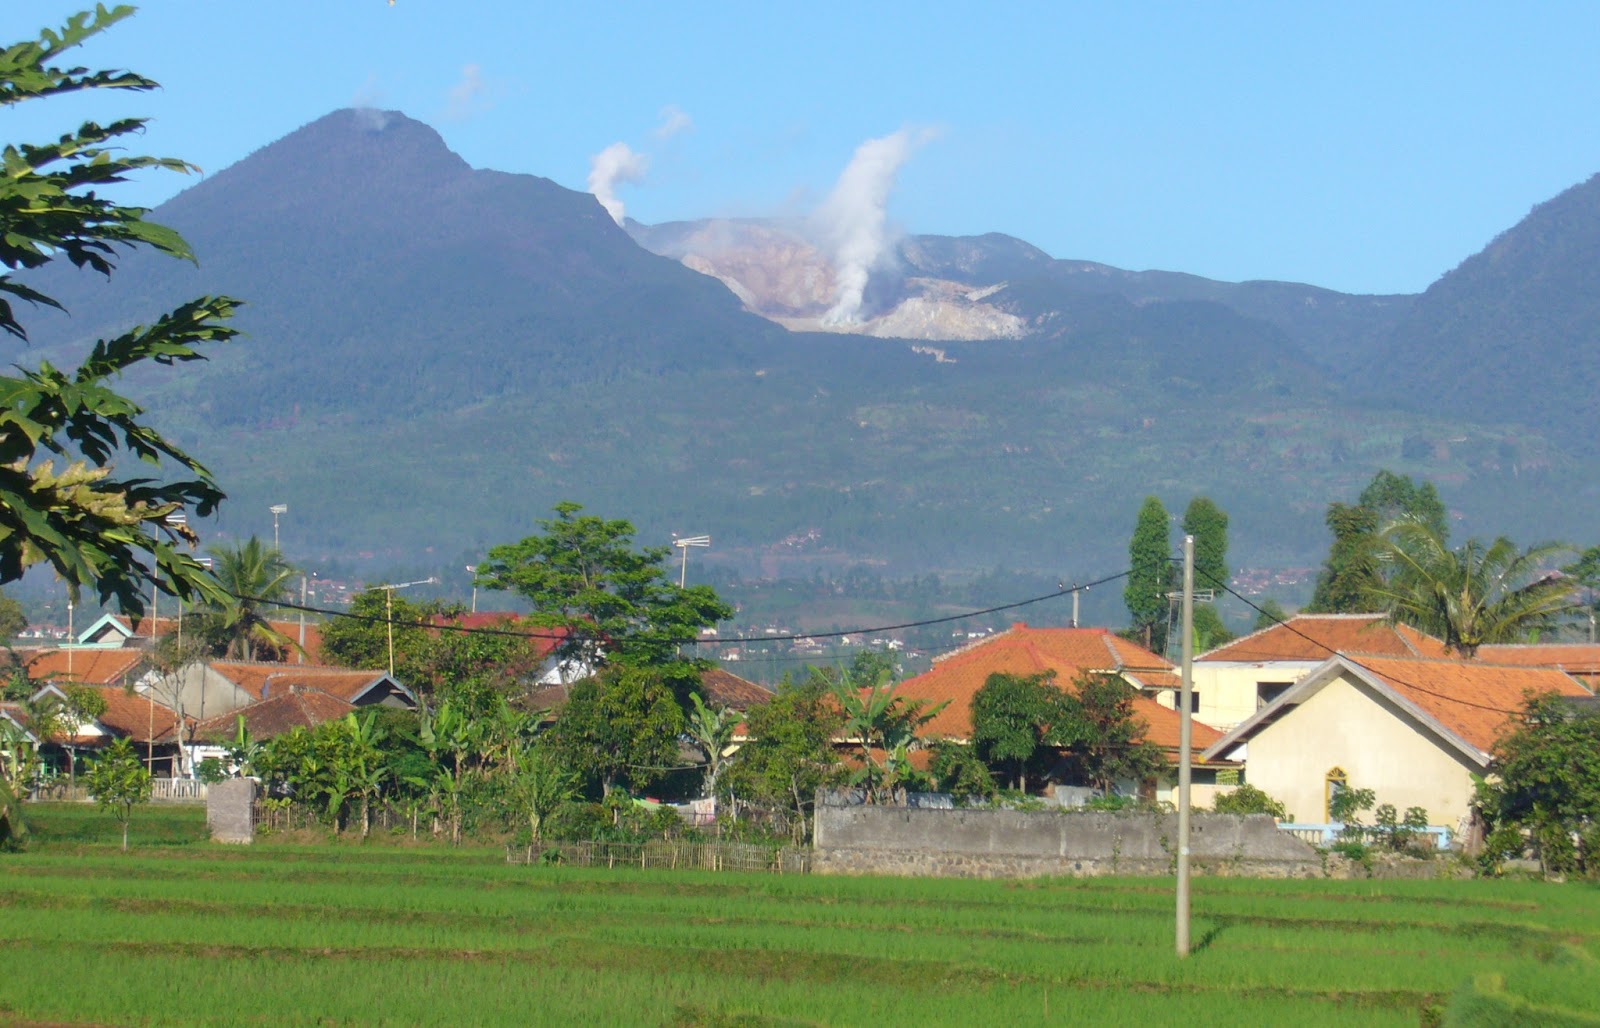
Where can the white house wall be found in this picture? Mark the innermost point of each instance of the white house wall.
(1376, 744)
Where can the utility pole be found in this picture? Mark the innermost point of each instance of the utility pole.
(1185, 740)
(302, 659)
(388, 611)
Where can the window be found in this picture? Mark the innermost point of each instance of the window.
(1266, 692)
(1337, 782)
(1194, 701)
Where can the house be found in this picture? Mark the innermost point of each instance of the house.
(73, 665)
(1065, 653)
(1414, 730)
(1237, 679)
(547, 670)
(130, 713)
(112, 631)
(207, 688)
(291, 708)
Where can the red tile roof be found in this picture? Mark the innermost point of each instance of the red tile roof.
(1573, 658)
(1474, 701)
(1064, 652)
(543, 637)
(134, 715)
(1316, 637)
(274, 716)
(86, 666)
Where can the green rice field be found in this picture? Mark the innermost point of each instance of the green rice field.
(180, 931)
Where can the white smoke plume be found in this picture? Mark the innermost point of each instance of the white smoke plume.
(673, 121)
(611, 167)
(853, 222)
(464, 97)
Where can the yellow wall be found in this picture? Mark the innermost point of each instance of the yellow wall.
(1379, 747)
(1228, 690)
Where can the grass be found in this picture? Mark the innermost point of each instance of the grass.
(182, 931)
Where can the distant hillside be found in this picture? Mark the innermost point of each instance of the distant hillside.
(1514, 331)
(438, 354)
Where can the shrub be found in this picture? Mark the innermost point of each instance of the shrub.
(1247, 799)
(211, 771)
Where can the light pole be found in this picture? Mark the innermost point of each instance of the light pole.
(683, 543)
(278, 510)
(388, 610)
(472, 569)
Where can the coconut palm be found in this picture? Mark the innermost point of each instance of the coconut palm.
(1475, 594)
(257, 578)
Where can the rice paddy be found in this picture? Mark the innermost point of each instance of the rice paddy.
(179, 931)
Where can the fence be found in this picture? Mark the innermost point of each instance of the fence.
(667, 854)
(163, 790)
(1328, 834)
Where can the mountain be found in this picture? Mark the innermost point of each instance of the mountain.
(438, 354)
(1514, 331)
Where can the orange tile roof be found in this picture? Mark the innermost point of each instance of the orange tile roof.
(274, 716)
(726, 689)
(1475, 701)
(1316, 637)
(135, 715)
(266, 680)
(1064, 652)
(1573, 658)
(86, 666)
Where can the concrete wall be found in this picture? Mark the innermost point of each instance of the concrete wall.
(230, 810)
(1228, 689)
(1009, 843)
(1378, 746)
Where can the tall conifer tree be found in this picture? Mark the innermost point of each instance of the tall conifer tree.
(1148, 553)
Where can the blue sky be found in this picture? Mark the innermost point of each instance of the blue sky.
(1362, 147)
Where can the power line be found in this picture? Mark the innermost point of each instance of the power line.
(795, 637)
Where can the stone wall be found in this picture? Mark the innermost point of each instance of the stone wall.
(1017, 844)
(230, 810)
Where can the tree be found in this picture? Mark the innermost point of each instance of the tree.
(93, 526)
(255, 577)
(1585, 575)
(119, 781)
(1270, 613)
(1353, 571)
(1474, 594)
(1204, 520)
(620, 727)
(614, 603)
(13, 620)
(61, 716)
(878, 721)
(711, 730)
(1149, 553)
(1544, 784)
(19, 771)
(1110, 745)
(1016, 719)
(539, 786)
(790, 755)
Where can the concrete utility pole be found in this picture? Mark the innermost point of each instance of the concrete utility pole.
(1185, 697)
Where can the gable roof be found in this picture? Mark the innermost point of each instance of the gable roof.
(138, 716)
(722, 688)
(1316, 637)
(86, 666)
(17, 715)
(1465, 705)
(1065, 652)
(263, 681)
(275, 716)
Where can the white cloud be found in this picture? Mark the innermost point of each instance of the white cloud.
(466, 98)
(673, 121)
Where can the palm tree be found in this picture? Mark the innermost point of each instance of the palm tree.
(257, 577)
(1475, 594)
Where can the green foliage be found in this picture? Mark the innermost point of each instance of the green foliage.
(540, 785)
(583, 575)
(1271, 613)
(1017, 722)
(1545, 784)
(790, 755)
(1204, 520)
(879, 722)
(119, 781)
(255, 577)
(712, 731)
(19, 772)
(1109, 741)
(93, 527)
(958, 770)
(1350, 573)
(1209, 629)
(1475, 594)
(1346, 808)
(13, 620)
(1149, 563)
(1247, 799)
(211, 770)
(1391, 497)
(620, 728)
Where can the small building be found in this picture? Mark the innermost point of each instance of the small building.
(1413, 730)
